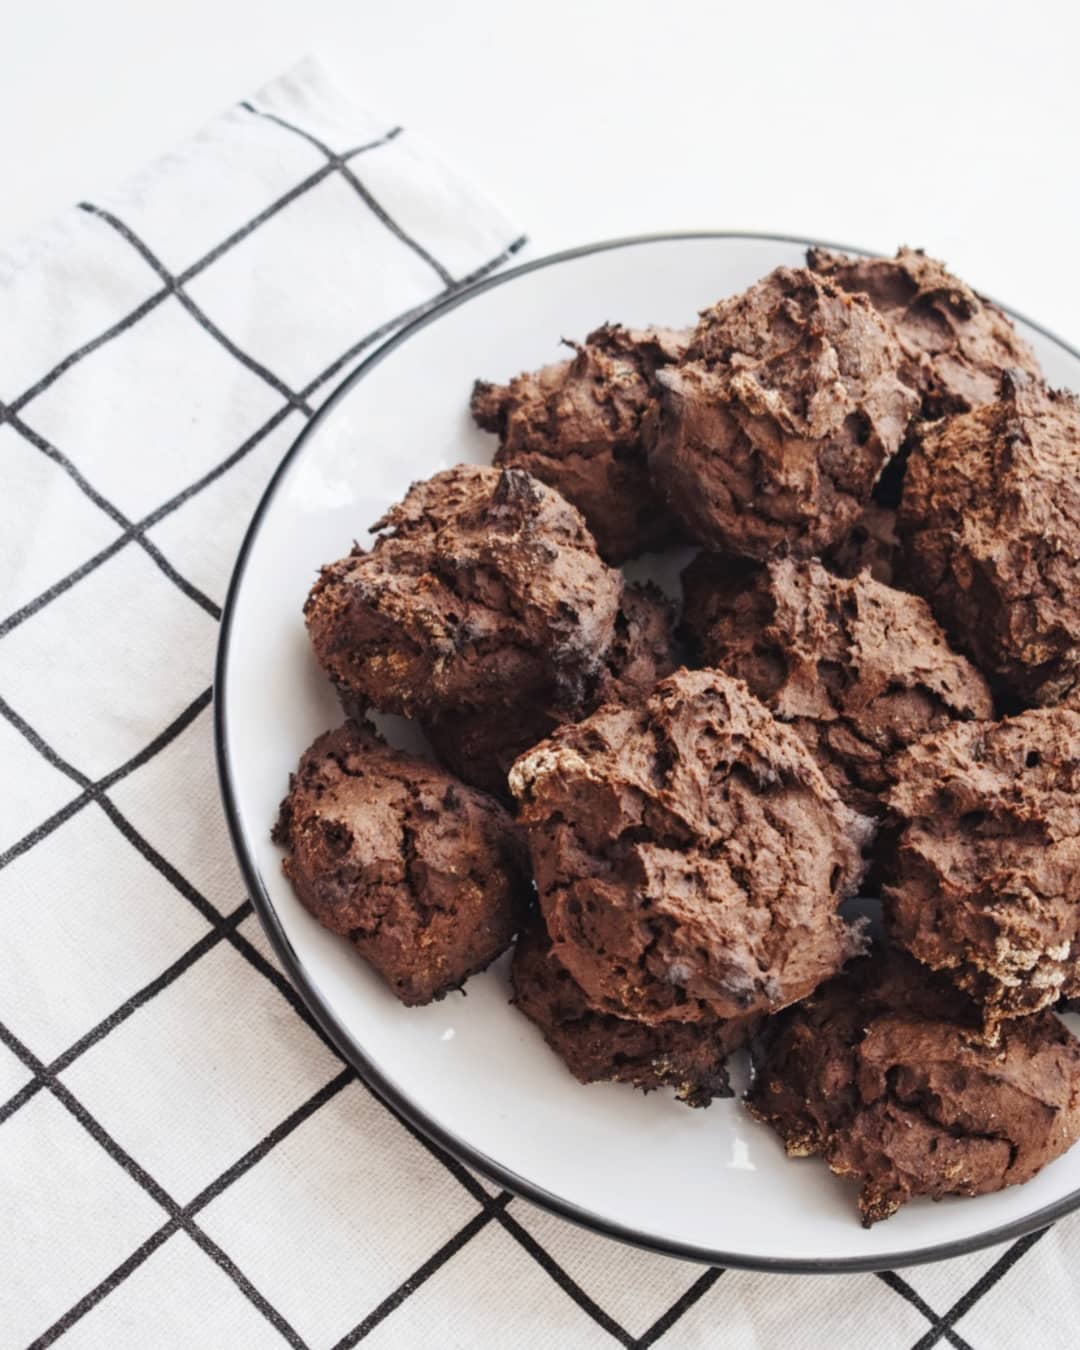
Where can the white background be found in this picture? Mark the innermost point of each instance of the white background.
(943, 123)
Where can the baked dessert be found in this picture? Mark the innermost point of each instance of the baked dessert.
(983, 878)
(957, 344)
(596, 1047)
(425, 876)
(881, 1073)
(857, 669)
(775, 428)
(689, 856)
(484, 591)
(578, 425)
(480, 745)
(989, 524)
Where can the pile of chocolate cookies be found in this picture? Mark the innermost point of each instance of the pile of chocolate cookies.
(870, 689)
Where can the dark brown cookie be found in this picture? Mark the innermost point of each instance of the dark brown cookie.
(857, 669)
(984, 877)
(596, 1047)
(485, 591)
(480, 746)
(776, 427)
(990, 524)
(880, 1071)
(578, 426)
(425, 876)
(688, 854)
(957, 344)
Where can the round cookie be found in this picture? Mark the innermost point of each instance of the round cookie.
(688, 854)
(426, 877)
(775, 429)
(983, 877)
(857, 669)
(480, 746)
(484, 591)
(881, 1073)
(578, 426)
(596, 1047)
(990, 525)
(957, 344)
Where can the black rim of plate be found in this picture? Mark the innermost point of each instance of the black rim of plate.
(324, 1014)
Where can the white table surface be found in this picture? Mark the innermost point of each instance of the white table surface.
(943, 123)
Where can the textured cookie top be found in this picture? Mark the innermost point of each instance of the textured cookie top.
(690, 1057)
(485, 588)
(579, 425)
(776, 427)
(481, 745)
(426, 876)
(881, 1072)
(990, 520)
(688, 853)
(985, 880)
(858, 669)
(957, 344)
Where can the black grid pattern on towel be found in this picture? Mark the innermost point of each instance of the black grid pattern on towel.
(94, 795)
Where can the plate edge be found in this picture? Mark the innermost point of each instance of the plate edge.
(346, 1047)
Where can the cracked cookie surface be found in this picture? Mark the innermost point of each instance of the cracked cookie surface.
(481, 746)
(775, 428)
(580, 426)
(857, 669)
(984, 878)
(882, 1074)
(484, 590)
(425, 876)
(990, 526)
(957, 344)
(690, 1057)
(688, 854)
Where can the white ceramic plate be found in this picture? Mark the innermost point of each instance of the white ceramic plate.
(470, 1071)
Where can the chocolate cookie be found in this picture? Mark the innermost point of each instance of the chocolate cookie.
(578, 426)
(857, 669)
(881, 1073)
(596, 1047)
(688, 854)
(776, 427)
(426, 877)
(485, 591)
(480, 746)
(990, 524)
(956, 344)
(984, 878)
